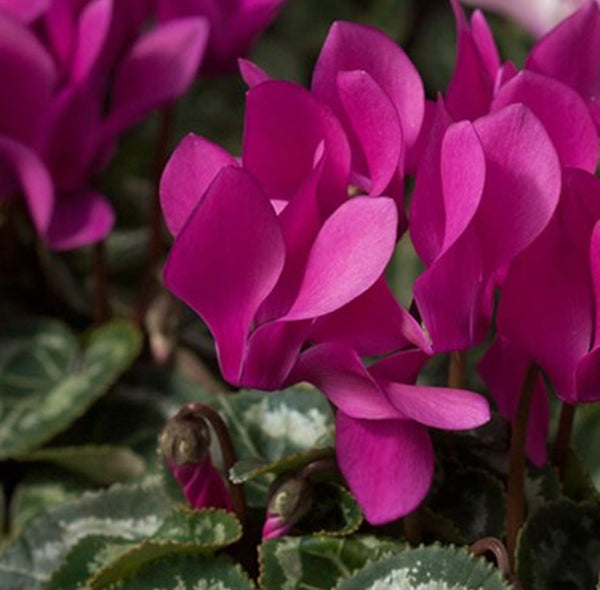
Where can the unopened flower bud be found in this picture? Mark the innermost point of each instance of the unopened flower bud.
(289, 503)
(185, 439)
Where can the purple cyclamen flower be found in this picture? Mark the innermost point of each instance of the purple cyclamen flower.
(55, 133)
(234, 26)
(382, 442)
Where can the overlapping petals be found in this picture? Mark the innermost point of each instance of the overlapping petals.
(382, 443)
(55, 129)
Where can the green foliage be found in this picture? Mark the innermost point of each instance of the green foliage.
(559, 547)
(427, 567)
(47, 383)
(131, 513)
(318, 562)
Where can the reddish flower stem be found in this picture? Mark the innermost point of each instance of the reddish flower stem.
(563, 437)
(411, 524)
(155, 244)
(495, 547)
(457, 370)
(515, 500)
(236, 491)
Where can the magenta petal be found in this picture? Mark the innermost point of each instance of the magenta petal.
(463, 178)
(27, 171)
(285, 128)
(453, 297)
(469, 92)
(485, 43)
(595, 273)
(251, 73)
(349, 254)
(79, 219)
(338, 372)
(92, 35)
(388, 465)
(28, 78)
(374, 122)
(189, 172)
(563, 113)
(588, 377)
(350, 47)
(440, 407)
(523, 181)
(271, 353)
(571, 52)
(427, 218)
(157, 70)
(226, 260)
(25, 11)
(374, 323)
(70, 146)
(504, 368)
(553, 322)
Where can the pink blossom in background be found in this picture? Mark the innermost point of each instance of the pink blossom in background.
(537, 16)
(234, 26)
(56, 134)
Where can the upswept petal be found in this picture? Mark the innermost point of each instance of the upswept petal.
(92, 35)
(553, 322)
(453, 296)
(374, 323)
(28, 77)
(26, 170)
(571, 53)
(69, 147)
(26, 12)
(225, 261)
(523, 181)
(470, 90)
(251, 73)
(300, 222)
(349, 254)
(79, 219)
(285, 127)
(337, 371)
(427, 218)
(439, 407)
(388, 464)
(463, 170)
(271, 353)
(503, 369)
(349, 47)
(485, 43)
(61, 27)
(563, 113)
(374, 129)
(189, 172)
(157, 70)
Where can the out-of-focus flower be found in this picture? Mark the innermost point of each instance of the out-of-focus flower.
(537, 16)
(56, 134)
(383, 446)
(234, 26)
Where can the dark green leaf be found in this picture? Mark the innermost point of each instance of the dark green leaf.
(559, 547)
(297, 563)
(427, 567)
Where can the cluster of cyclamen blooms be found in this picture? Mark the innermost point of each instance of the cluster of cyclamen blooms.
(287, 269)
(65, 60)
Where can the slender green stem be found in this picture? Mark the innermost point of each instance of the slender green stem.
(457, 370)
(515, 500)
(563, 437)
(227, 450)
(155, 243)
